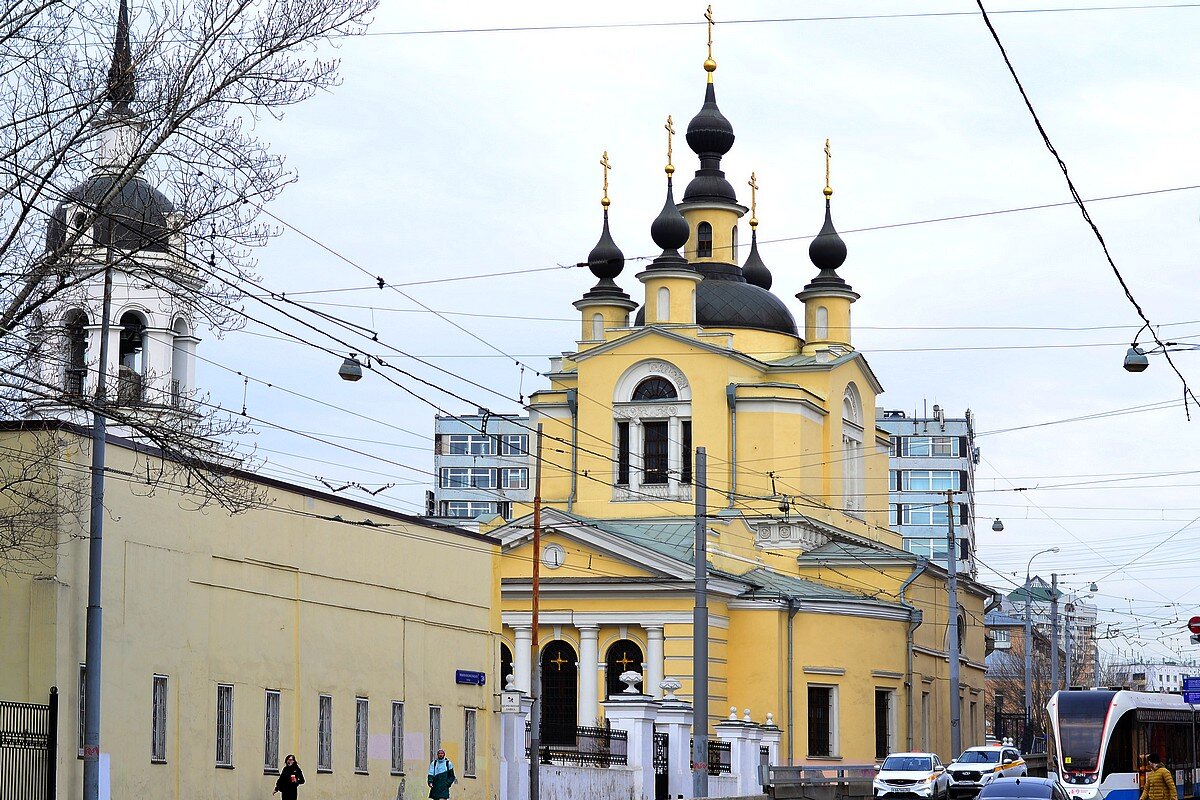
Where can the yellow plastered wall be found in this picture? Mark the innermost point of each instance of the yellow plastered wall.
(836, 329)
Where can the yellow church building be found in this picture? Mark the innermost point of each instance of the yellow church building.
(817, 615)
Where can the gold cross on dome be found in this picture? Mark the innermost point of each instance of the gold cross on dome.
(828, 155)
(708, 15)
(558, 661)
(753, 200)
(607, 166)
(625, 661)
(670, 126)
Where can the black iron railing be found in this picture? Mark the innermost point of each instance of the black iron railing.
(593, 747)
(720, 761)
(764, 755)
(28, 735)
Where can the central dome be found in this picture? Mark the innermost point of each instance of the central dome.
(138, 213)
(725, 300)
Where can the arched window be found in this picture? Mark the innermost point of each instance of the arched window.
(623, 655)
(733, 236)
(655, 389)
(822, 326)
(663, 312)
(597, 326)
(76, 324)
(704, 240)
(852, 444)
(506, 664)
(560, 693)
(179, 362)
(131, 359)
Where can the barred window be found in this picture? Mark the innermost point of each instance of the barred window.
(360, 735)
(82, 705)
(324, 733)
(158, 720)
(397, 737)
(224, 725)
(271, 732)
(435, 731)
(469, 742)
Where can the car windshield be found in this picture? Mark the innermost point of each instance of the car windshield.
(907, 763)
(979, 757)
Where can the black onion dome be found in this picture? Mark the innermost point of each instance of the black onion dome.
(827, 252)
(709, 132)
(670, 230)
(725, 300)
(606, 259)
(754, 270)
(137, 214)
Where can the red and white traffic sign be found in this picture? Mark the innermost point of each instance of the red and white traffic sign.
(1194, 625)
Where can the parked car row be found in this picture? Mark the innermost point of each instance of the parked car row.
(991, 771)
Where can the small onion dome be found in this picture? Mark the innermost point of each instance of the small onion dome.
(606, 259)
(709, 133)
(827, 252)
(670, 230)
(137, 215)
(754, 270)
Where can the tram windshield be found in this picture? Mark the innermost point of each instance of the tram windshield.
(1081, 717)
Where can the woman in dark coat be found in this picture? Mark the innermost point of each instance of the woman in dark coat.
(290, 779)
(441, 776)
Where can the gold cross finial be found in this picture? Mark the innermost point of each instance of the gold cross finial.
(828, 155)
(753, 201)
(607, 166)
(625, 661)
(710, 66)
(670, 126)
(558, 661)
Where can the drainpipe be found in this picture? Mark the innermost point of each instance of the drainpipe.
(731, 399)
(793, 607)
(914, 622)
(573, 405)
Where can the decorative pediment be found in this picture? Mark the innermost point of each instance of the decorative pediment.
(789, 535)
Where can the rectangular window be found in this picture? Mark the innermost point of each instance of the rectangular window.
(654, 451)
(224, 725)
(685, 446)
(435, 731)
(470, 444)
(929, 480)
(820, 721)
(927, 514)
(324, 733)
(271, 732)
(514, 478)
(467, 509)
(883, 722)
(360, 735)
(82, 705)
(158, 720)
(925, 721)
(622, 453)
(514, 444)
(929, 446)
(397, 737)
(468, 478)
(469, 743)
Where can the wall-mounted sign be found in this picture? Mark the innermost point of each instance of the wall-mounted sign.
(470, 677)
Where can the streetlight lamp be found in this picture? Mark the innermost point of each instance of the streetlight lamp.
(1136, 359)
(1027, 739)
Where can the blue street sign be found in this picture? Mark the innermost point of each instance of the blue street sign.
(1191, 697)
(1191, 684)
(470, 677)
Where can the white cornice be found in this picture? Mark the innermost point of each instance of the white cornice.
(523, 619)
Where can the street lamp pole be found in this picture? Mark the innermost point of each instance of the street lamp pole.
(1027, 739)
(952, 645)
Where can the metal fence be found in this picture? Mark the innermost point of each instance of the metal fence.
(28, 749)
(720, 761)
(764, 755)
(593, 747)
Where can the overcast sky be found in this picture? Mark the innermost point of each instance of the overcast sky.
(471, 153)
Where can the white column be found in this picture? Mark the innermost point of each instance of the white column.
(588, 711)
(521, 666)
(636, 442)
(653, 668)
(674, 458)
(514, 767)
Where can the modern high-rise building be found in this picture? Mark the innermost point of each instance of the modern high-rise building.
(930, 455)
(482, 465)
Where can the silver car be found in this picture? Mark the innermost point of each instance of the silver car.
(911, 775)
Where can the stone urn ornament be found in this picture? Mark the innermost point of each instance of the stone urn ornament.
(669, 687)
(631, 679)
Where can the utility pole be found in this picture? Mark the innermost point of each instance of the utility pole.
(535, 685)
(700, 634)
(952, 570)
(1027, 736)
(1067, 647)
(95, 613)
(1054, 684)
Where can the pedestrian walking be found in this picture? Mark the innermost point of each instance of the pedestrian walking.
(441, 776)
(1159, 783)
(290, 779)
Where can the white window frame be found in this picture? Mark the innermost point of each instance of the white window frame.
(929, 480)
(514, 477)
(361, 718)
(675, 412)
(224, 732)
(324, 733)
(158, 720)
(928, 514)
(472, 508)
(929, 447)
(470, 732)
(435, 731)
(397, 737)
(271, 730)
(470, 444)
(514, 444)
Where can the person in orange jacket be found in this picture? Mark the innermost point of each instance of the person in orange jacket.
(1159, 783)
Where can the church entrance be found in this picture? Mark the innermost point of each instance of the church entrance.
(623, 655)
(560, 694)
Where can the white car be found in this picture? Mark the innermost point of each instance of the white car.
(979, 766)
(911, 775)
